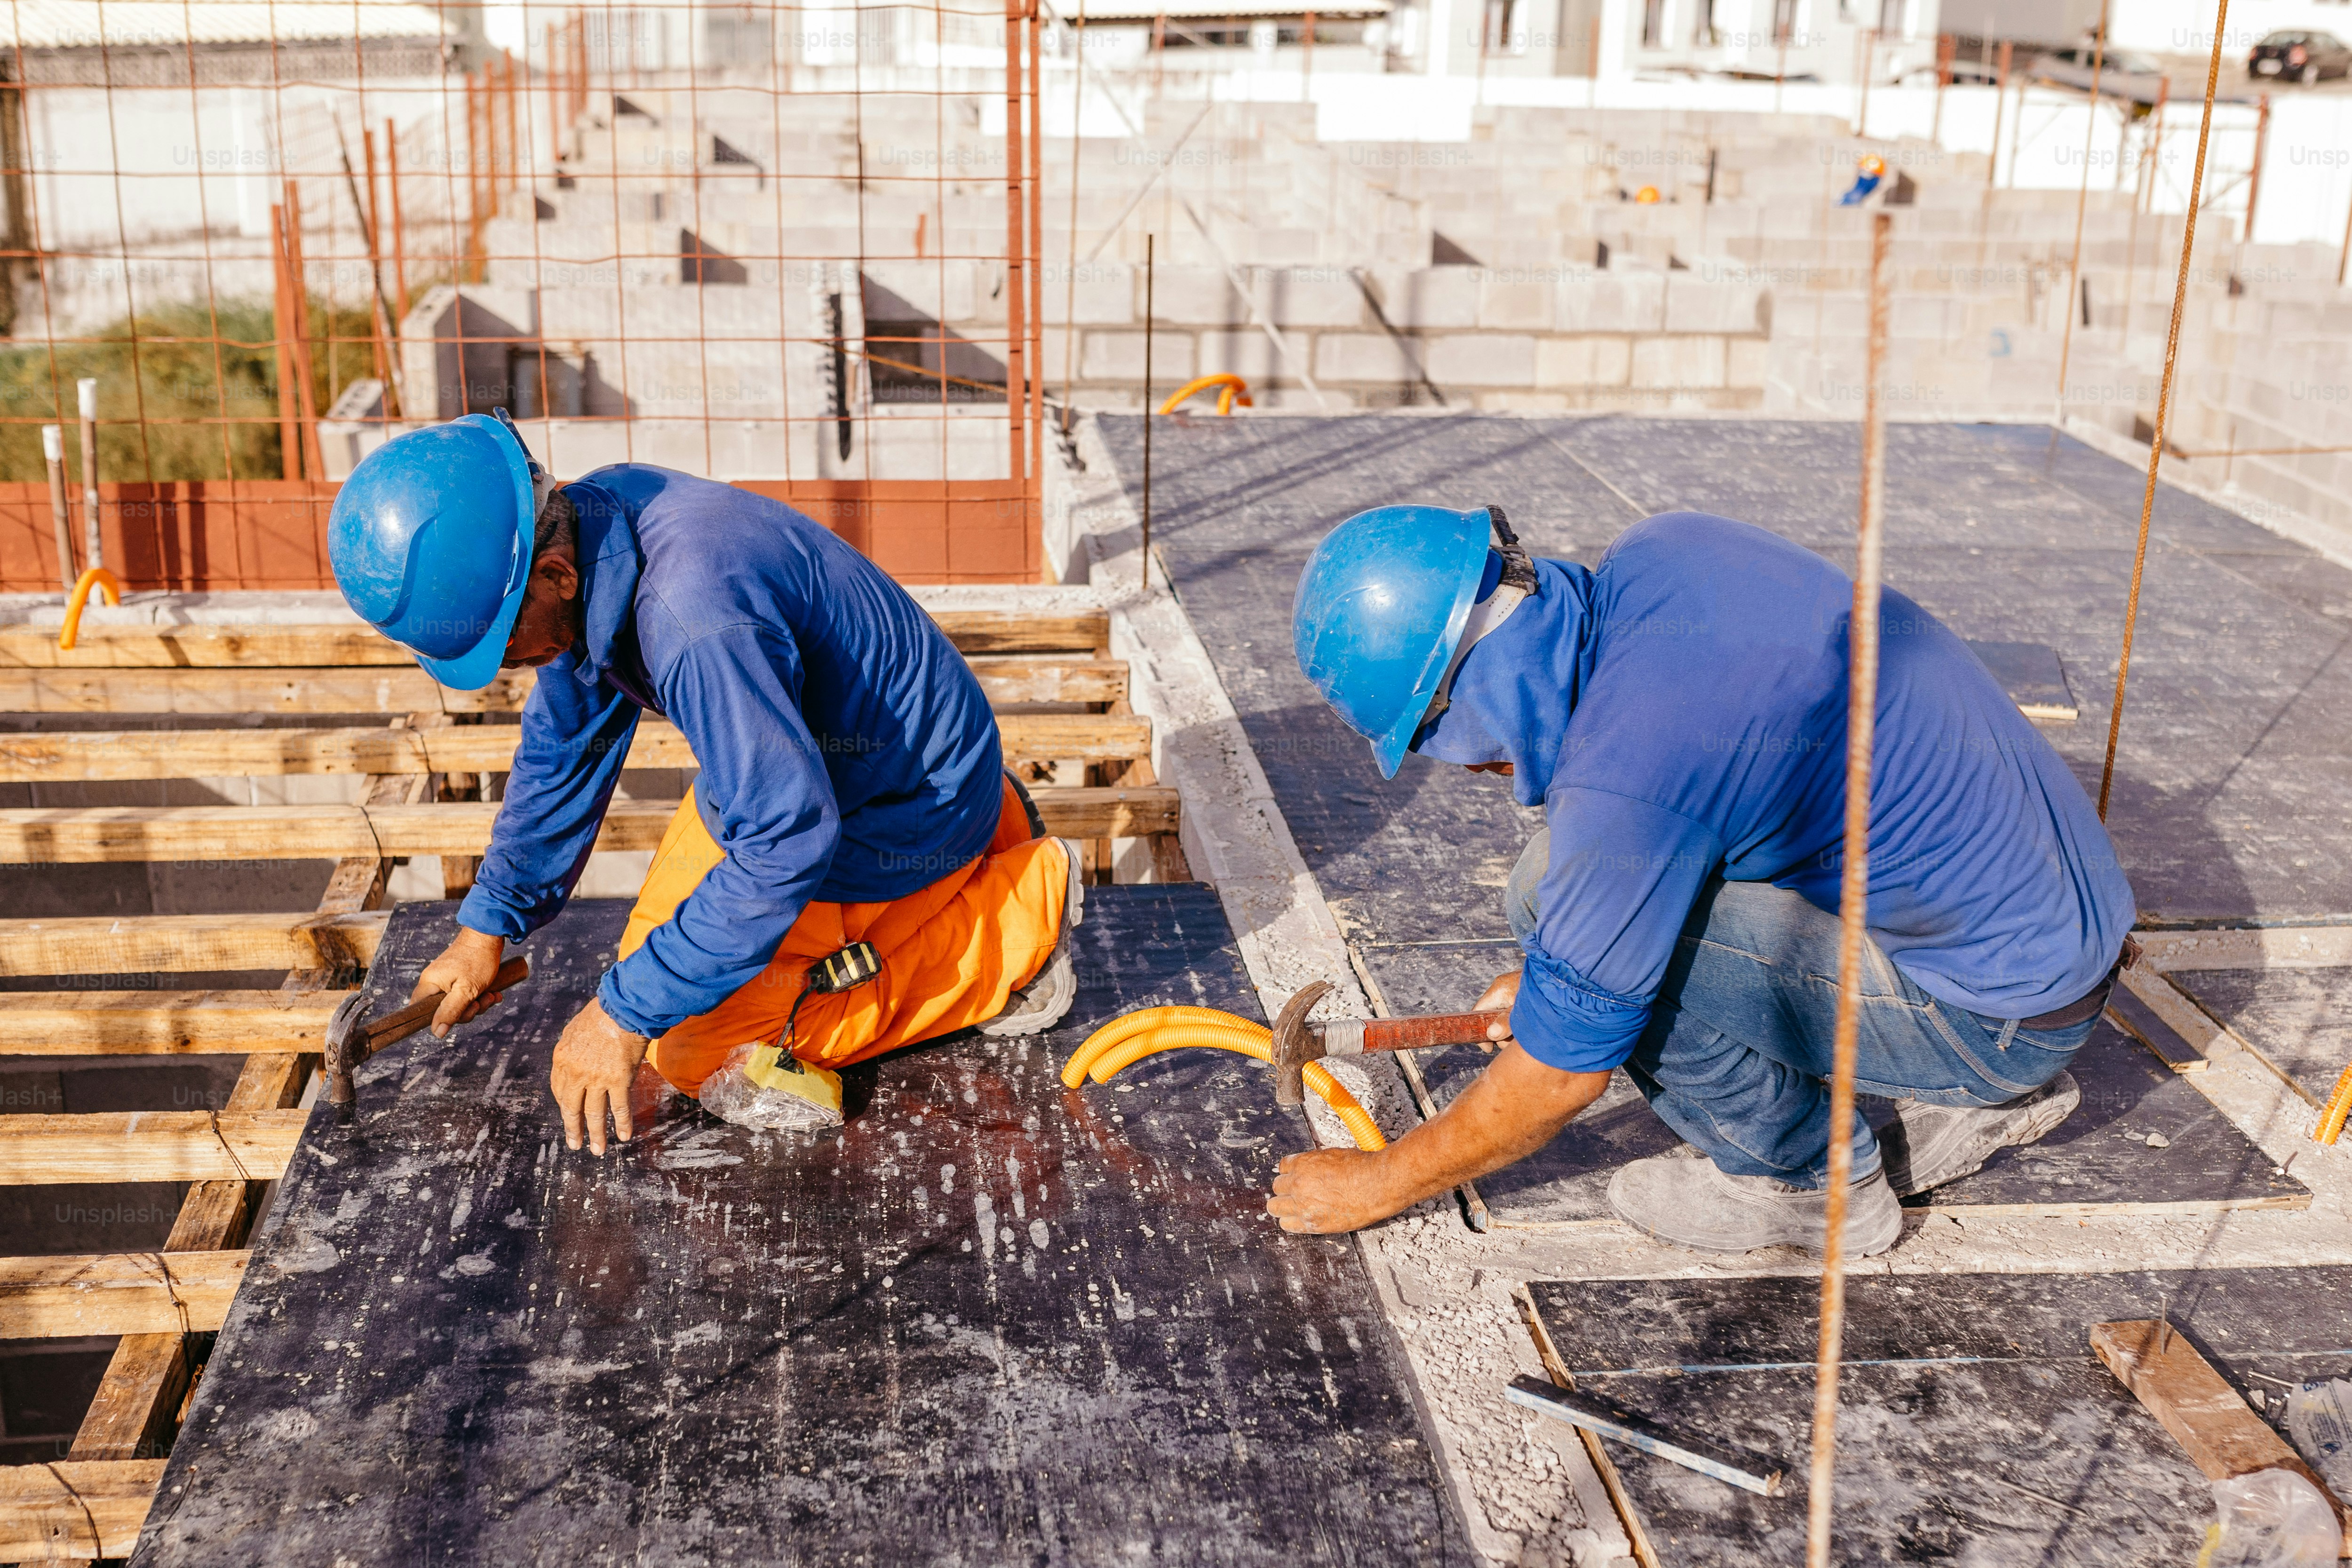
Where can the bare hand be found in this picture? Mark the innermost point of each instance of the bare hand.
(1502, 995)
(595, 1063)
(1325, 1191)
(463, 974)
(1511, 1110)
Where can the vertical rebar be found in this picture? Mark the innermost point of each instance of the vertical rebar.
(1016, 281)
(2163, 405)
(2000, 105)
(1150, 243)
(94, 551)
(1854, 894)
(2254, 175)
(1070, 283)
(53, 452)
(399, 236)
(2082, 202)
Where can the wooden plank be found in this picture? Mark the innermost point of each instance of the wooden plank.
(380, 690)
(1052, 679)
(87, 835)
(117, 1293)
(148, 1146)
(47, 1512)
(389, 689)
(2179, 1387)
(135, 1412)
(2316, 946)
(118, 754)
(141, 944)
(333, 643)
(131, 1415)
(161, 1023)
(1022, 631)
(1098, 813)
(202, 647)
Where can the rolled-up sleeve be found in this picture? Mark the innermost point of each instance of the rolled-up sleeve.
(1623, 879)
(768, 803)
(567, 761)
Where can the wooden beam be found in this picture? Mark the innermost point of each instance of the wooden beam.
(131, 1415)
(202, 647)
(1106, 813)
(117, 754)
(135, 1413)
(1020, 631)
(161, 1023)
(2268, 947)
(87, 835)
(142, 944)
(2224, 1437)
(384, 689)
(387, 688)
(330, 643)
(46, 1511)
(117, 1293)
(148, 1146)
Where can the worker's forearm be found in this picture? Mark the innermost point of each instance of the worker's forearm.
(1513, 1109)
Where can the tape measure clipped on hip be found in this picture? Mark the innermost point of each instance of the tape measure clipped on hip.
(829, 976)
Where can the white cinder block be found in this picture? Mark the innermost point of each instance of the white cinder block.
(1516, 298)
(1310, 296)
(1610, 302)
(1361, 356)
(1680, 364)
(1118, 356)
(1193, 296)
(1483, 359)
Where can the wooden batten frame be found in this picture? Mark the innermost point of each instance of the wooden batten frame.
(94, 1501)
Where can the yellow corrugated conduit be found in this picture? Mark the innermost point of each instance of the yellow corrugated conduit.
(1132, 1036)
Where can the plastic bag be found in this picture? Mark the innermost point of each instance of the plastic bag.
(2319, 1420)
(732, 1094)
(2271, 1518)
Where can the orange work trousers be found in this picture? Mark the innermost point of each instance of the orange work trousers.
(952, 953)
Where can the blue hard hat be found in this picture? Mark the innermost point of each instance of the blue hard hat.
(430, 540)
(1380, 608)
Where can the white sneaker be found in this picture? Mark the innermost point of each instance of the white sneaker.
(1045, 1000)
(1682, 1198)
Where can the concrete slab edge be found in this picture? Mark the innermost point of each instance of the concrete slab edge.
(2327, 540)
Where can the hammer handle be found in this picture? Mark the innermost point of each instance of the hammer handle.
(1434, 1029)
(396, 1027)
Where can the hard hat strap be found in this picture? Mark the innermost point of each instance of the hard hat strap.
(1517, 585)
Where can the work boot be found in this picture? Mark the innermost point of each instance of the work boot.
(1927, 1145)
(1682, 1198)
(1040, 1005)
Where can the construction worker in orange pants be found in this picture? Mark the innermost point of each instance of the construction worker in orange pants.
(950, 956)
(854, 870)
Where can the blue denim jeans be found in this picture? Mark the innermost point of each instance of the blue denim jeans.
(1737, 1051)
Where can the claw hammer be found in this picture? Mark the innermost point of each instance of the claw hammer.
(351, 1042)
(1297, 1042)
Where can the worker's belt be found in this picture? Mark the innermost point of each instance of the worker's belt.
(2088, 1005)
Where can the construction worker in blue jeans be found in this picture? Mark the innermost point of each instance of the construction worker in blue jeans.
(1679, 713)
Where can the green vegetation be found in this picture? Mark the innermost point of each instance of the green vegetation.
(185, 386)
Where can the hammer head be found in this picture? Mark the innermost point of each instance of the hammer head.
(340, 1028)
(1296, 1043)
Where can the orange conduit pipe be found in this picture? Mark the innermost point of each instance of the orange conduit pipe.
(2336, 1111)
(1127, 1040)
(96, 577)
(1234, 389)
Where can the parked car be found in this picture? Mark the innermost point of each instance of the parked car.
(2300, 57)
(2123, 73)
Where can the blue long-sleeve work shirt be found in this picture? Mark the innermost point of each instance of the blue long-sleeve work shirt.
(848, 753)
(1680, 710)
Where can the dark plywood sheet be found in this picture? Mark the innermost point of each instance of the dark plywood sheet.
(2098, 1160)
(1976, 1427)
(2033, 675)
(990, 1320)
(2230, 797)
(2299, 1019)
